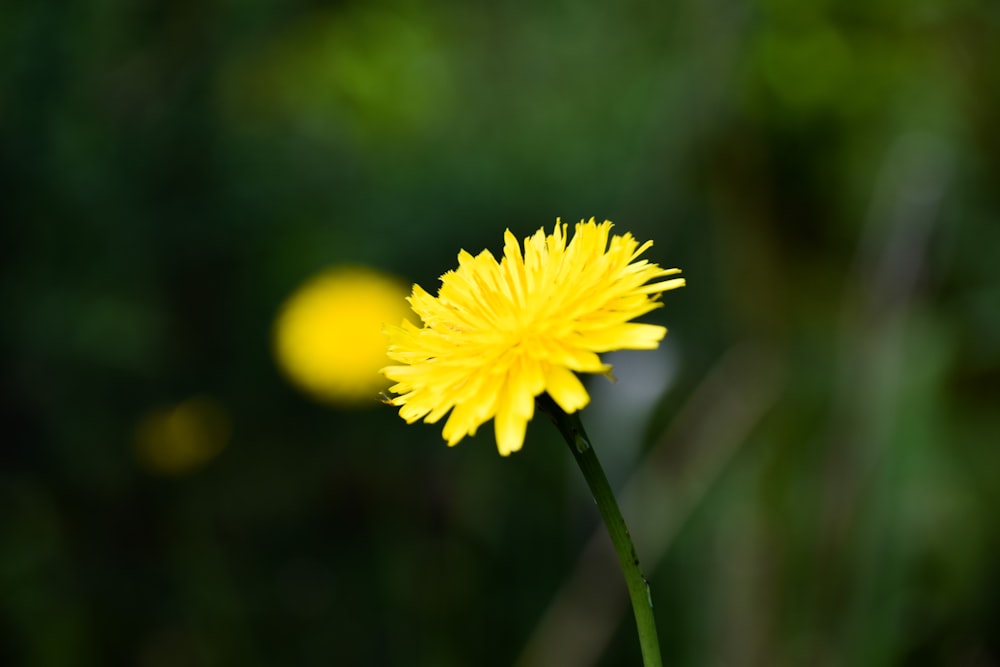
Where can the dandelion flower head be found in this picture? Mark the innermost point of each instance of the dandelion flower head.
(182, 438)
(498, 334)
(328, 335)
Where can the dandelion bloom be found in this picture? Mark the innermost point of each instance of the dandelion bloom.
(499, 334)
(328, 335)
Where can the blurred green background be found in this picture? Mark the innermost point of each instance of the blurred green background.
(811, 458)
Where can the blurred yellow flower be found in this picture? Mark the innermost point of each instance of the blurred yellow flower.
(182, 438)
(328, 335)
(499, 334)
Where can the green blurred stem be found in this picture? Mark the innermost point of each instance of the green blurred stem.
(571, 428)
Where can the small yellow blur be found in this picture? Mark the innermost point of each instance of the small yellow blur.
(328, 335)
(180, 439)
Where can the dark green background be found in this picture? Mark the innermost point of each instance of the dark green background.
(827, 174)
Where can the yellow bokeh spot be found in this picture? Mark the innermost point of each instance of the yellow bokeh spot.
(182, 438)
(328, 336)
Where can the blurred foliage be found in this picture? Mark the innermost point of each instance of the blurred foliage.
(825, 173)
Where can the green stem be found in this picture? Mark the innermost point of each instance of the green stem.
(571, 428)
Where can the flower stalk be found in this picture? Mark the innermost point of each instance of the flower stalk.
(572, 430)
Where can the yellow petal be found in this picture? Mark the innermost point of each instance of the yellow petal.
(509, 429)
(565, 389)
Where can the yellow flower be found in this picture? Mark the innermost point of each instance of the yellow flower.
(182, 438)
(328, 336)
(499, 334)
